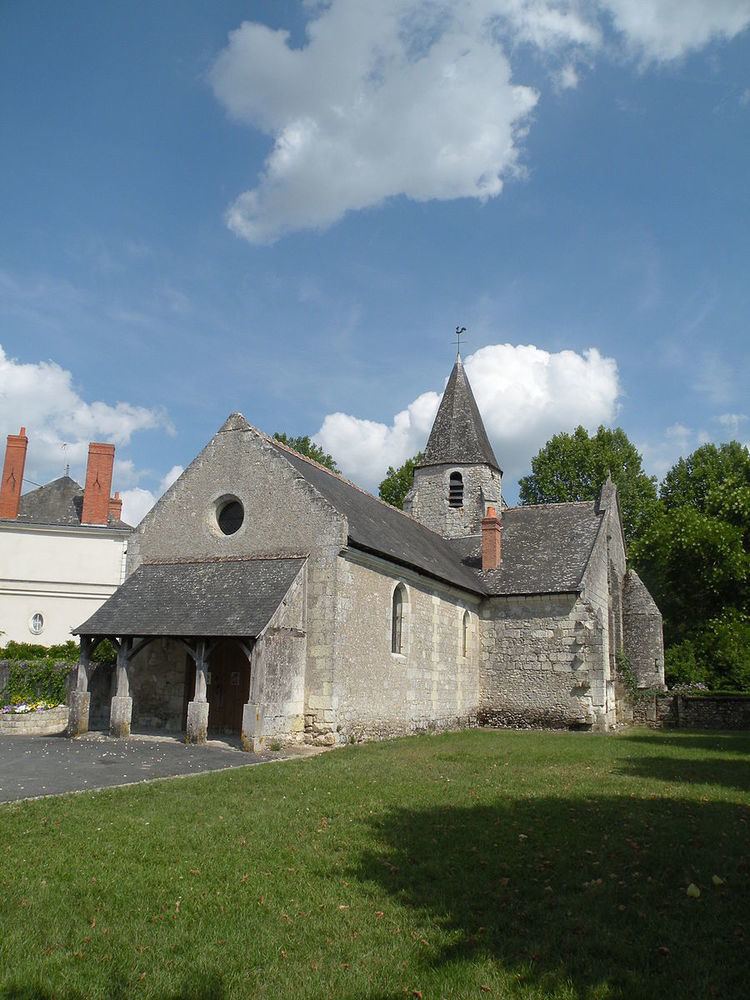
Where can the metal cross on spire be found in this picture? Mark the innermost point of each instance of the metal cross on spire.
(460, 331)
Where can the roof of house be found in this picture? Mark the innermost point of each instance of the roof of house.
(458, 436)
(59, 502)
(545, 548)
(223, 597)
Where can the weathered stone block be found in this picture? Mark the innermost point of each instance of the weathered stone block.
(196, 730)
(251, 735)
(78, 715)
(120, 716)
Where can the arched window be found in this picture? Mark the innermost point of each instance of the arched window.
(465, 635)
(455, 490)
(397, 619)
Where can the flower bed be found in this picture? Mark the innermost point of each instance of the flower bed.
(33, 719)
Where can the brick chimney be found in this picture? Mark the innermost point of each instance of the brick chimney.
(96, 493)
(492, 540)
(115, 507)
(10, 488)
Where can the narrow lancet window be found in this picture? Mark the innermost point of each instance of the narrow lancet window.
(465, 635)
(456, 490)
(397, 620)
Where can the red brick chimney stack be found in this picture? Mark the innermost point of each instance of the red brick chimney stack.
(115, 507)
(96, 492)
(10, 488)
(492, 540)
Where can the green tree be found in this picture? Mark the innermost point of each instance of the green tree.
(574, 466)
(304, 446)
(397, 482)
(692, 481)
(695, 560)
(696, 568)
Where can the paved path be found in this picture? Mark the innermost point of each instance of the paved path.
(31, 766)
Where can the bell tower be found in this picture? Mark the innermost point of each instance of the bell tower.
(459, 476)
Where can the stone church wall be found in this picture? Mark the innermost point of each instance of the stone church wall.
(157, 686)
(540, 662)
(430, 686)
(277, 679)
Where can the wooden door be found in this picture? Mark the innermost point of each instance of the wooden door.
(229, 689)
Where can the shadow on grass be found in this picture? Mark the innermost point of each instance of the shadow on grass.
(209, 987)
(583, 898)
(726, 772)
(738, 743)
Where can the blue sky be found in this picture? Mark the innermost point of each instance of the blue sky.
(568, 181)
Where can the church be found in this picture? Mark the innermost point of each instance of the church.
(271, 598)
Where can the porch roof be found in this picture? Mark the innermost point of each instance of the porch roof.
(196, 599)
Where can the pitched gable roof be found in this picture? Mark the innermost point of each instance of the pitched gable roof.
(546, 549)
(458, 436)
(223, 597)
(59, 502)
(375, 526)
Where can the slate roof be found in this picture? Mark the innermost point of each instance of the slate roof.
(59, 502)
(191, 599)
(458, 436)
(375, 526)
(545, 549)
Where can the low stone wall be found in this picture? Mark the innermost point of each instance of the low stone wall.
(45, 722)
(691, 712)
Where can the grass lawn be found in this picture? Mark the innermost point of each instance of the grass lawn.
(534, 865)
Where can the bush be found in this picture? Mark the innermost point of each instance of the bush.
(66, 652)
(682, 665)
(718, 656)
(36, 681)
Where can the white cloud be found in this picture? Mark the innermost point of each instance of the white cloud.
(525, 394)
(669, 29)
(60, 424)
(137, 502)
(732, 423)
(567, 78)
(392, 98)
(417, 97)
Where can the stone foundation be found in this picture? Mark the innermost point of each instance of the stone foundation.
(44, 722)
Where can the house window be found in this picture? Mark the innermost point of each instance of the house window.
(36, 625)
(455, 490)
(397, 619)
(465, 634)
(230, 516)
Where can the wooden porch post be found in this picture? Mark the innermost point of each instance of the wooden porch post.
(121, 710)
(197, 711)
(79, 699)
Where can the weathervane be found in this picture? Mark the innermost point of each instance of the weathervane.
(460, 331)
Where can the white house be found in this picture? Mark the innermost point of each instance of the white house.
(62, 547)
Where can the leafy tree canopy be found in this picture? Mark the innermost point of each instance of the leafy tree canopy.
(304, 446)
(397, 482)
(695, 566)
(695, 560)
(694, 480)
(574, 466)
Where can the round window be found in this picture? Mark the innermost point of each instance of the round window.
(230, 517)
(36, 625)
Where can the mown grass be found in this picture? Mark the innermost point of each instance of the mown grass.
(534, 865)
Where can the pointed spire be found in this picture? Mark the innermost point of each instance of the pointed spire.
(458, 436)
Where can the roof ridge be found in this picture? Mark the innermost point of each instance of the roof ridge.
(554, 503)
(338, 475)
(275, 557)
